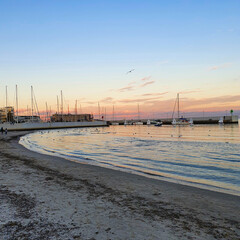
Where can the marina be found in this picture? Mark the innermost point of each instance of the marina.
(10, 119)
(119, 120)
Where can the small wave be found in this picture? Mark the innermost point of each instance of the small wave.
(195, 162)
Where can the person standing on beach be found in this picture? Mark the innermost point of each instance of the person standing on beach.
(2, 130)
(6, 131)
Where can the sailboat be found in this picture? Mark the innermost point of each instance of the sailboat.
(139, 121)
(113, 122)
(12, 121)
(179, 121)
(158, 124)
(126, 122)
(221, 122)
(191, 122)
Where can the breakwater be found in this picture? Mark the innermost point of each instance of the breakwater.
(196, 120)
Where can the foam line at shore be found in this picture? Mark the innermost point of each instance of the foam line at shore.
(166, 173)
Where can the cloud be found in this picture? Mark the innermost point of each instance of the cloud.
(81, 99)
(107, 100)
(136, 100)
(132, 83)
(155, 102)
(236, 79)
(128, 88)
(90, 102)
(217, 103)
(190, 91)
(216, 67)
(145, 78)
(154, 94)
(136, 84)
(187, 104)
(220, 99)
(147, 83)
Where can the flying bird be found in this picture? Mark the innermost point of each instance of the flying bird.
(130, 71)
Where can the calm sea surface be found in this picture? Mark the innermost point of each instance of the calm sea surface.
(206, 156)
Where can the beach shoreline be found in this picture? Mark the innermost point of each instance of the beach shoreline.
(53, 198)
(129, 166)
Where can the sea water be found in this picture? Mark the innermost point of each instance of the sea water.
(206, 156)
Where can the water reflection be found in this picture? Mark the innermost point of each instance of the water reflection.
(204, 155)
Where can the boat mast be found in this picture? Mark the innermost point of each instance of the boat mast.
(75, 110)
(138, 113)
(62, 105)
(6, 105)
(6, 97)
(57, 106)
(178, 105)
(50, 114)
(99, 111)
(46, 112)
(35, 105)
(32, 101)
(17, 102)
(113, 113)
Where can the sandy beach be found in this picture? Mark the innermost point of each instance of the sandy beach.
(45, 197)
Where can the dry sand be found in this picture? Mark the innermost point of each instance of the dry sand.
(45, 197)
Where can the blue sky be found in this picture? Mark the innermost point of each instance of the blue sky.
(85, 49)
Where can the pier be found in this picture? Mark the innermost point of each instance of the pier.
(50, 125)
(196, 120)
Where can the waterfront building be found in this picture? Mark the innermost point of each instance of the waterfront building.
(7, 114)
(71, 118)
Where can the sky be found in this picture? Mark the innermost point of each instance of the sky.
(87, 48)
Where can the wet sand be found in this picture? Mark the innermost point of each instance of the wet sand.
(45, 197)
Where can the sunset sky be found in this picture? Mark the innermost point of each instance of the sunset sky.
(86, 48)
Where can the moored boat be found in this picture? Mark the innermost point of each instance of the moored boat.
(221, 122)
(179, 121)
(158, 124)
(138, 123)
